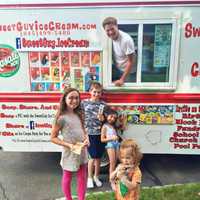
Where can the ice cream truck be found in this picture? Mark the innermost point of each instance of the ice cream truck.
(48, 45)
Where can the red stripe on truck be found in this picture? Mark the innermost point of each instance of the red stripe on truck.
(107, 96)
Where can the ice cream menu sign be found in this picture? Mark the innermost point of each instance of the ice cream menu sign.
(162, 46)
(52, 71)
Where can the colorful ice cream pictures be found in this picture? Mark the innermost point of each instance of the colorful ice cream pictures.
(52, 71)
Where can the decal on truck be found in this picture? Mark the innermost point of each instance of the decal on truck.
(9, 61)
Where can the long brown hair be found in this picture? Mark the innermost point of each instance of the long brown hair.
(63, 106)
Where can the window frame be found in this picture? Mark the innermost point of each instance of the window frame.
(174, 56)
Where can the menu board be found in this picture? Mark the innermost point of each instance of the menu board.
(52, 71)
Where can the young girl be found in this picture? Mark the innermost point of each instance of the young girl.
(109, 135)
(127, 175)
(74, 155)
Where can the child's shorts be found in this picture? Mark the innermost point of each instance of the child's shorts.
(96, 148)
(112, 144)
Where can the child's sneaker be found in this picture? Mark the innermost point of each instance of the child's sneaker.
(97, 181)
(90, 183)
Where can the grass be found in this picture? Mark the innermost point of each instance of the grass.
(176, 192)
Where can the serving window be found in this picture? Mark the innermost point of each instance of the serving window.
(156, 54)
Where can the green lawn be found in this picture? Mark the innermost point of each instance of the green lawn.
(177, 192)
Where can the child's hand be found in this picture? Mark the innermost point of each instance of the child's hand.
(86, 142)
(119, 167)
(129, 166)
(100, 117)
(120, 173)
(115, 138)
(77, 148)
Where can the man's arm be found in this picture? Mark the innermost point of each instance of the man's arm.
(129, 65)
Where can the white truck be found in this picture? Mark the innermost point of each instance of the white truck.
(45, 46)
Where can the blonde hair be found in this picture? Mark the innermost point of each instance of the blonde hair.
(130, 144)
